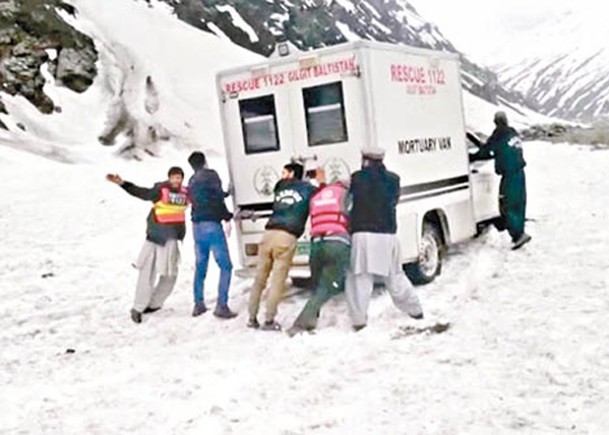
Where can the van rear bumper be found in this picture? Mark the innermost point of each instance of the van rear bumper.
(297, 271)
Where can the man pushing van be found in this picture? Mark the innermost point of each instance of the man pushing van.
(375, 247)
(278, 245)
(330, 248)
(505, 147)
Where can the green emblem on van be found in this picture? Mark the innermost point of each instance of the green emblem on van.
(337, 169)
(265, 179)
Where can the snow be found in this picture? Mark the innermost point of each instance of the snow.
(524, 353)
(136, 41)
(347, 5)
(349, 34)
(239, 21)
(552, 51)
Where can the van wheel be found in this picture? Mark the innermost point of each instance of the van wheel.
(430, 257)
(303, 283)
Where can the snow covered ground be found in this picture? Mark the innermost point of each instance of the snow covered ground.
(526, 351)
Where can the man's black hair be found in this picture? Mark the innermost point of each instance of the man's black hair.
(197, 160)
(296, 168)
(174, 170)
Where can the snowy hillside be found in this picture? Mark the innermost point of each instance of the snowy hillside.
(553, 52)
(524, 354)
(155, 84)
(565, 73)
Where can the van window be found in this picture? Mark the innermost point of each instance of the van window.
(325, 114)
(259, 124)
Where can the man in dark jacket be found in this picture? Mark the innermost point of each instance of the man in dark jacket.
(208, 212)
(278, 245)
(375, 248)
(506, 147)
(160, 254)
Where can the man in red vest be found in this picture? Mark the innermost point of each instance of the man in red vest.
(330, 248)
(159, 259)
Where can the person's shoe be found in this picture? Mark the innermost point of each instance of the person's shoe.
(150, 310)
(253, 323)
(223, 312)
(418, 316)
(295, 330)
(136, 316)
(199, 309)
(521, 241)
(270, 325)
(358, 328)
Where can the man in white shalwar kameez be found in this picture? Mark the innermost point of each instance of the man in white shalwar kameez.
(375, 249)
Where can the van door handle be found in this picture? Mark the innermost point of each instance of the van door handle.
(475, 171)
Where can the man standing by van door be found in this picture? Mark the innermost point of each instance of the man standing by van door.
(330, 248)
(375, 247)
(278, 245)
(160, 256)
(506, 147)
(208, 212)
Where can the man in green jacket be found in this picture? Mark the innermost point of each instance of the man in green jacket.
(505, 147)
(278, 245)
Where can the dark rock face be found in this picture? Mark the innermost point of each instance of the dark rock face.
(28, 28)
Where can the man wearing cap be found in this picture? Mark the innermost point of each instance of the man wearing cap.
(505, 147)
(160, 256)
(330, 248)
(375, 248)
(278, 245)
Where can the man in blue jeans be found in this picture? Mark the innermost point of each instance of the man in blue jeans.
(208, 212)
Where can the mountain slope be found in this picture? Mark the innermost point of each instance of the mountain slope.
(155, 85)
(258, 24)
(565, 73)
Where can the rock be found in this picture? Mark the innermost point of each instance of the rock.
(27, 30)
(76, 68)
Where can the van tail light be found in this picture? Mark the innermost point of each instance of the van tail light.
(251, 249)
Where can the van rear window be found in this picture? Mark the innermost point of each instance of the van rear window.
(259, 124)
(325, 113)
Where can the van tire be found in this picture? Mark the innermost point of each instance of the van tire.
(303, 283)
(430, 256)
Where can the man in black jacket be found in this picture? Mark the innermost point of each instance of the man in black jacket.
(208, 212)
(375, 248)
(278, 245)
(160, 255)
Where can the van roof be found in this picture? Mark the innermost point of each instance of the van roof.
(347, 46)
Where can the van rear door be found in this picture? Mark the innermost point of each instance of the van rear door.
(258, 137)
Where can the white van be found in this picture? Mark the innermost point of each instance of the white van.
(323, 106)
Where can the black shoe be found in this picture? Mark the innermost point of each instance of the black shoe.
(253, 323)
(270, 325)
(417, 316)
(295, 330)
(358, 328)
(223, 312)
(199, 309)
(149, 310)
(136, 316)
(521, 241)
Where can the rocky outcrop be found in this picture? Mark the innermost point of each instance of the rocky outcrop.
(32, 33)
